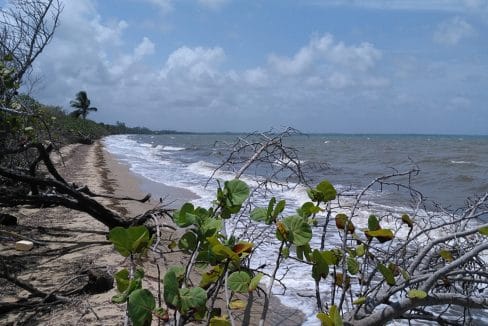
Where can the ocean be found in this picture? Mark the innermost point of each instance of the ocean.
(452, 168)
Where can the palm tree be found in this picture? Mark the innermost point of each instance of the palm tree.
(81, 103)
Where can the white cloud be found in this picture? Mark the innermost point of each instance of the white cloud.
(421, 5)
(325, 51)
(452, 31)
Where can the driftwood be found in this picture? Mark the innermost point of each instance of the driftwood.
(53, 190)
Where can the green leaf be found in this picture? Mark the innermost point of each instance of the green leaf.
(360, 250)
(280, 207)
(269, 211)
(171, 289)
(192, 298)
(446, 255)
(188, 242)
(120, 298)
(320, 268)
(210, 227)
(360, 300)
(327, 191)
(335, 315)
(325, 320)
(373, 223)
(239, 282)
(140, 306)
(484, 230)
(407, 220)
(254, 283)
(299, 231)
(304, 251)
(122, 280)
(332, 257)
(342, 220)
(382, 235)
(134, 239)
(387, 274)
(224, 251)
(210, 277)
(220, 321)
(237, 304)
(308, 209)
(417, 294)
(352, 265)
(259, 214)
(185, 215)
(237, 191)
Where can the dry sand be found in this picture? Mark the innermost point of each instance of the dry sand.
(73, 242)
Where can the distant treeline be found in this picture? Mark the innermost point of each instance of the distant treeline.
(52, 122)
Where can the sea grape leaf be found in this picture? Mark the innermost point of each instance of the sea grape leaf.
(360, 300)
(271, 204)
(335, 315)
(239, 281)
(259, 214)
(446, 255)
(281, 231)
(325, 320)
(280, 207)
(192, 298)
(126, 241)
(254, 283)
(339, 280)
(210, 277)
(222, 250)
(171, 289)
(243, 247)
(308, 209)
(304, 251)
(352, 265)
(188, 242)
(387, 274)
(237, 304)
(332, 257)
(327, 191)
(320, 268)
(210, 227)
(382, 235)
(373, 223)
(360, 250)
(484, 230)
(122, 280)
(220, 321)
(342, 220)
(237, 192)
(299, 231)
(185, 215)
(140, 306)
(417, 294)
(407, 220)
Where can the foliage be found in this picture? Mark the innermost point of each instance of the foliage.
(81, 104)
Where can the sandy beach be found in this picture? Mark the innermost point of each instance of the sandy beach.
(70, 243)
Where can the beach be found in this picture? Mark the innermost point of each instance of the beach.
(71, 243)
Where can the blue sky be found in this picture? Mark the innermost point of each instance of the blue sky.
(350, 66)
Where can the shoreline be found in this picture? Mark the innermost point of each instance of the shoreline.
(137, 186)
(132, 184)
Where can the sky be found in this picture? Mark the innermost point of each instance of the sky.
(321, 66)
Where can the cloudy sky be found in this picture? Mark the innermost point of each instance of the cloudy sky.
(347, 66)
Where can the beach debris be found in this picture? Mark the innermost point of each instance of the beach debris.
(24, 245)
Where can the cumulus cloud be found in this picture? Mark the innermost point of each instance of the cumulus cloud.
(324, 50)
(452, 31)
(191, 88)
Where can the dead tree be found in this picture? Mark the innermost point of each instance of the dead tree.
(49, 189)
(27, 26)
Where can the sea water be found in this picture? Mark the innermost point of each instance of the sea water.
(452, 168)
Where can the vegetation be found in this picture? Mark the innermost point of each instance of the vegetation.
(81, 103)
